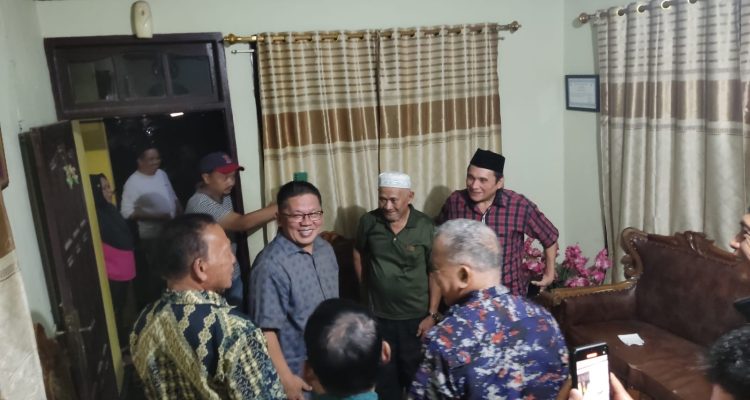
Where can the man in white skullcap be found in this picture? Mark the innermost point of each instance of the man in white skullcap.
(391, 259)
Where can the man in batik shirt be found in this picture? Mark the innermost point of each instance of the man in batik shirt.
(510, 215)
(191, 344)
(491, 343)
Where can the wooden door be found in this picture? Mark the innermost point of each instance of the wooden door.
(62, 223)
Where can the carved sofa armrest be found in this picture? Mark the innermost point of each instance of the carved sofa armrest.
(595, 304)
(552, 298)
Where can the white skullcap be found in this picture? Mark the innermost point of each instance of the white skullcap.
(394, 180)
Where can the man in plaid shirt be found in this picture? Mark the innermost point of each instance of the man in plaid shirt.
(511, 215)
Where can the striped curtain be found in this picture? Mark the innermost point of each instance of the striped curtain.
(319, 115)
(20, 368)
(439, 102)
(674, 124)
(420, 101)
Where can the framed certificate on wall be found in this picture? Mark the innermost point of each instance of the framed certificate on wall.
(582, 92)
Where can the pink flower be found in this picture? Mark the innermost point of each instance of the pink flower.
(602, 262)
(575, 260)
(572, 272)
(596, 276)
(535, 267)
(533, 259)
(529, 249)
(578, 281)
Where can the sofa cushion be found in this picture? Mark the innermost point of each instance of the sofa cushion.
(666, 366)
(679, 287)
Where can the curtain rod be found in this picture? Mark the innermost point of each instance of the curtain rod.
(231, 38)
(585, 17)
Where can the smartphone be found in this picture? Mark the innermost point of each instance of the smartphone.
(590, 371)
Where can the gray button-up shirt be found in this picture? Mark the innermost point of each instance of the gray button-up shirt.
(286, 284)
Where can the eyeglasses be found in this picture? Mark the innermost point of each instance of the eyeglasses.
(314, 216)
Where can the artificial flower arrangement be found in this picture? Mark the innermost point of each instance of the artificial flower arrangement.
(572, 272)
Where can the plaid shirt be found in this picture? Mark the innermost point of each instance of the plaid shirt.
(492, 345)
(511, 216)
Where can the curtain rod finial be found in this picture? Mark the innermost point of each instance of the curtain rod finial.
(230, 39)
(583, 18)
(514, 26)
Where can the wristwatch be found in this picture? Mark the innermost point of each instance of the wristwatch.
(436, 317)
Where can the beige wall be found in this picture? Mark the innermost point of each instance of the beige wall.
(583, 210)
(551, 153)
(25, 101)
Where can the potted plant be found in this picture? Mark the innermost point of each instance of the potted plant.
(572, 272)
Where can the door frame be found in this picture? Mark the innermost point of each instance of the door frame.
(137, 108)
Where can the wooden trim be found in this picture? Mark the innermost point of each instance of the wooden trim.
(119, 40)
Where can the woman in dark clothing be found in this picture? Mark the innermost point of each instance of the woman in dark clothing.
(117, 246)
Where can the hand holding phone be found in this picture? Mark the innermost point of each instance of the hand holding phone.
(590, 371)
(618, 391)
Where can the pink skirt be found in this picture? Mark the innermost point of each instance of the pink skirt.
(120, 264)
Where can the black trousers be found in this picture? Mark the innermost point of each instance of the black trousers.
(119, 292)
(406, 354)
(148, 282)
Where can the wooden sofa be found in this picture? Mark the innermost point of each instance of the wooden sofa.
(344, 248)
(678, 297)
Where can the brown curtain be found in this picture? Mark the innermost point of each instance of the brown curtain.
(674, 117)
(347, 109)
(439, 101)
(319, 114)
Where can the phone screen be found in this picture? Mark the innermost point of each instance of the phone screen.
(592, 372)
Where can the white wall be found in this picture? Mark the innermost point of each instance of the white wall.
(531, 70)
(25, 101)
(583, 210)
(551, 152)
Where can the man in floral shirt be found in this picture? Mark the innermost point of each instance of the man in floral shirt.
(491, 344)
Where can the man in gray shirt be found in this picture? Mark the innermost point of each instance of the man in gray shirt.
(290, 277)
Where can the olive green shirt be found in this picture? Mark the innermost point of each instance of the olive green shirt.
(396, 266)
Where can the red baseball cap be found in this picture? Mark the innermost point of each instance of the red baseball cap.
(220, 162)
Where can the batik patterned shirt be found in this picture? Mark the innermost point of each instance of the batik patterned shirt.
(193, 345)
(511, 216)
(493, 345)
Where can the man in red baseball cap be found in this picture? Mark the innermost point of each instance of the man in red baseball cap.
(218, 174)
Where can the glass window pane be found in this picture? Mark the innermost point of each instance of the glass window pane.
(191, 75)
(92, 80)
(141, 75)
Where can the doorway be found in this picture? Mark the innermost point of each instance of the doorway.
(181, 138)
(99, 81)
(111, 148)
